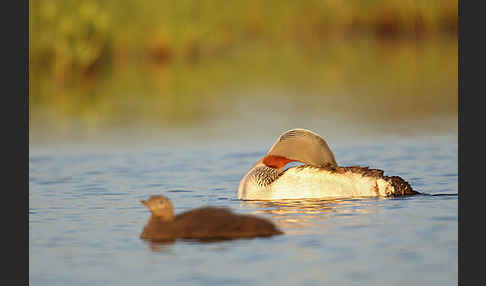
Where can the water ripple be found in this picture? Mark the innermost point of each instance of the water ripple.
(85, 214)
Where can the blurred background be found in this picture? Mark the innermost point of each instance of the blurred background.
(156, 71)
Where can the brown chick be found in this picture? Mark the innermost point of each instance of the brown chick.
(205, 224)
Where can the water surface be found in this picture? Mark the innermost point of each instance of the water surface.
(85, 218)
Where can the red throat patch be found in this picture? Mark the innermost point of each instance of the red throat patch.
(276, 162)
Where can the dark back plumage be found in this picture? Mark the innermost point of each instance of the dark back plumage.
(401, 186)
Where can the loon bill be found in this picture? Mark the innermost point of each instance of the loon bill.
(319, 177)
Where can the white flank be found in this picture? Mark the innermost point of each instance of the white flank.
(300, 183)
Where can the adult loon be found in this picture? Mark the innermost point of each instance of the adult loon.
(319, 177)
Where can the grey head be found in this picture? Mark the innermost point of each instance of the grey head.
(304, 146)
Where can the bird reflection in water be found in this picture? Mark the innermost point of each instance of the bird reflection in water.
(298, 215)
(160, 246)
(166, 245)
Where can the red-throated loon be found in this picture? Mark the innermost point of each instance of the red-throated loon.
(320, 177)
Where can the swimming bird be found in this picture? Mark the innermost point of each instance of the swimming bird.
(318, 177)
(204, 224)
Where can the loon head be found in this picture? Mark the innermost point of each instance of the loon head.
(160, 207)
(295, 145)
(299, 145)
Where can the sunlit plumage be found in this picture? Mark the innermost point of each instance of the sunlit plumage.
(320, 177)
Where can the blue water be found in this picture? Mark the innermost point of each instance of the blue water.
(85, 218)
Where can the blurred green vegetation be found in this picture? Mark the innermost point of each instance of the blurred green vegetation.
(109, 62)
(78, 36)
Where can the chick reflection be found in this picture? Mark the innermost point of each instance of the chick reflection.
(303, 213)
(159, 246)
(205, 224)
